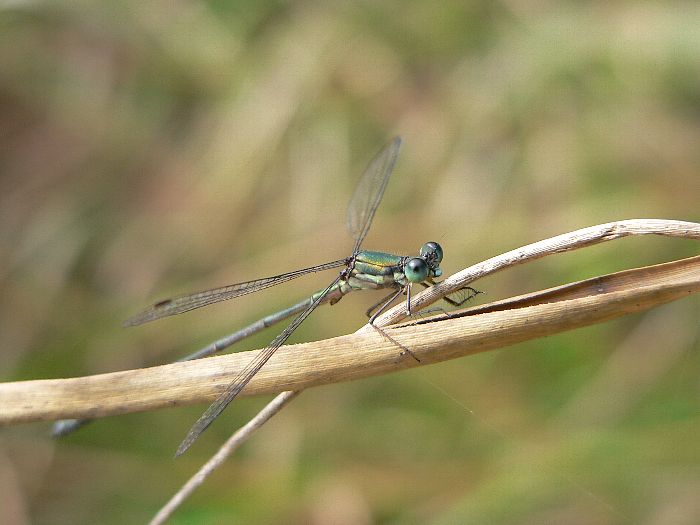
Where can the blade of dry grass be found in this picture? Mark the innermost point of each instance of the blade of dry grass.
(358, 355)
(561, 243)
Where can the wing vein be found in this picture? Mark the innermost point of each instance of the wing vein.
(185, 303)
(370, 190)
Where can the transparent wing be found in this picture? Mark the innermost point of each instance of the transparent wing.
(185, 303)
(370, 190)
(242, 379)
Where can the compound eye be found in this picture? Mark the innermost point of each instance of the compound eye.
(434, 249)
(416, 270)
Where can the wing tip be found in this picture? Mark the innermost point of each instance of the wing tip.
(184, 446)
(147, 315)
(135, 320)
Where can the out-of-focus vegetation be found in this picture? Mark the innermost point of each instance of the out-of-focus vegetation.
(155, 148)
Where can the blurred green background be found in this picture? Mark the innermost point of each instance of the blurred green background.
(156, 148)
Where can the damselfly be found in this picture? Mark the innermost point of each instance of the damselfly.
(362, 269)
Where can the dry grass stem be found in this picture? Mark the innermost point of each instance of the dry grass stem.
(367, 353)
(237, 439)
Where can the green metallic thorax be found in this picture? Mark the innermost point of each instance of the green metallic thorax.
(377, 259)
(374, 270)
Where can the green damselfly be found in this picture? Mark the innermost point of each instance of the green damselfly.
(361, 270)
